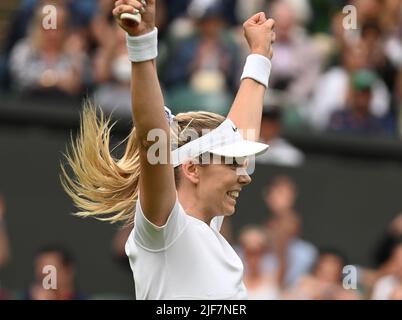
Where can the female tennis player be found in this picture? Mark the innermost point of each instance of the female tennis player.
(176, 206)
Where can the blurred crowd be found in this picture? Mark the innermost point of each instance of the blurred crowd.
(330, 73)
(281, 265)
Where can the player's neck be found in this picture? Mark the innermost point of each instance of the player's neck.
(193, 206)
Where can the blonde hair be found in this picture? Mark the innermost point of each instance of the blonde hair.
(104, 187)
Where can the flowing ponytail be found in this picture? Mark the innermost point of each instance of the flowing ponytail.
(103, 187)
(106, 188)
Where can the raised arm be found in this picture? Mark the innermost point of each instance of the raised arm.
(246, 110)
(157, 188)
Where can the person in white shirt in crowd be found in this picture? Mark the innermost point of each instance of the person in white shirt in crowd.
(50, 60)
(180, 198)
(332, 90)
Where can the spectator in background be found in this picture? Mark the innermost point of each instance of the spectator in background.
(112, 74)
(203, 69)
(332, 89)
(296, 64)
(325, 281)
(372, 35)
(49, 61)
(356, 117)
(4, 245)
(281, 152)
(81, 12)
(294, 256)
(380, 27)
(260, 285)
(378, 61)
(81, 15)
(379, 38)
(386, 286)
(64, 265)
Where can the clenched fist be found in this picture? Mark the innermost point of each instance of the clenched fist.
(260, 35)
(145, 8)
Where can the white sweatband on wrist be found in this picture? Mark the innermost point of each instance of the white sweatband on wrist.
(258, 68)
(144, 47)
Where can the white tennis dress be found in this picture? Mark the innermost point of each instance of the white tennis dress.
(185, 259)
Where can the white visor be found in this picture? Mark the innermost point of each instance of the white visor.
(225, 141)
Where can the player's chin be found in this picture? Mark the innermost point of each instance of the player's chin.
(229, 209)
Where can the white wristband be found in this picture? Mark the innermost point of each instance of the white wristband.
(143, 47)
(258, 68)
